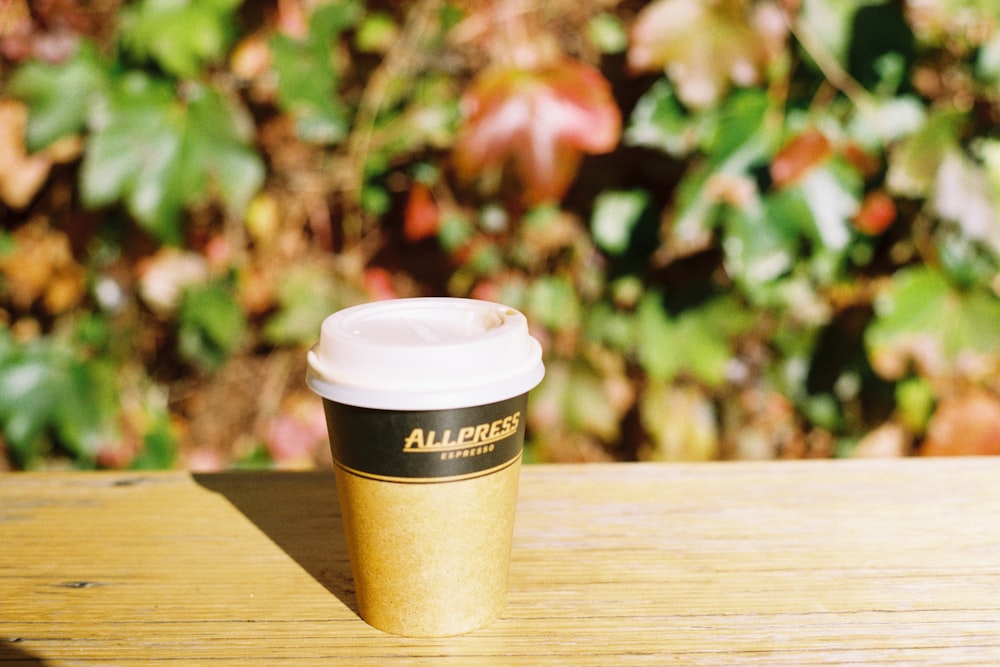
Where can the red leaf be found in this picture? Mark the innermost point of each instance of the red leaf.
(539, 122)
(877, 212)
(378, 283)
(799, 156)
(422, 217)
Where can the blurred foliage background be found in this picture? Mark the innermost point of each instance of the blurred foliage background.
(742, 229)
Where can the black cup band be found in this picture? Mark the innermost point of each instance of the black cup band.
(426, 445)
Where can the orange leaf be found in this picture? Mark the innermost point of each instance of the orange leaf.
(877, 212)
(539, 122)
(422, 217)
(799, 156)
(965, 425)
(21, 175)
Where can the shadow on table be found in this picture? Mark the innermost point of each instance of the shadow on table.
(299, 512)
(11, 654)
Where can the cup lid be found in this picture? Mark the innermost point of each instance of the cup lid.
(424, 354)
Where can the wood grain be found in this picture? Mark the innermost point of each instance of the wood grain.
(781, 563)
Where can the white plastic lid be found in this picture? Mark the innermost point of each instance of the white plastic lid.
(424, 354)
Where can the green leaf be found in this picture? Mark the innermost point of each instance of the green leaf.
(832, 193)
(988, 60)
(888, 121)
(157, 153)
(59, 96)
(737, 135)
(134, 154)
(83, 414)
(922, 322)
(554, 303)
(211, 325)
(377, 33)
(29, 389)
(735, 138)
(610, 326)
(215, 151)
(307, 78)
(915, 401)
(616, 214)
(179, 35)
(656, 337)
(705, 333)
(306, 296)
(764, 240)
(914, 163)
(607, 33)
(761, 241)
(49, 389)
(159, 449)
(696, 342)
(456, 230)
(968, 262)
(697, 213)
(660, 122)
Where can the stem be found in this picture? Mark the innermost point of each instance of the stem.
(834, 72)
(398, 64)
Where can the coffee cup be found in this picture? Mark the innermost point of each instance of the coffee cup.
(425, 400)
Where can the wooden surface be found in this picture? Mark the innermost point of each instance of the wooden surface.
(785, 563)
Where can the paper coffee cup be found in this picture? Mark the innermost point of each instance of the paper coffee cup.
(425, 403)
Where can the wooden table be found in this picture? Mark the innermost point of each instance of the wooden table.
(781, 563)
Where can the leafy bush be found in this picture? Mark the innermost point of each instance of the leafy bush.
(741, 228)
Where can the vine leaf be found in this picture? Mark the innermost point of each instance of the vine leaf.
(46, 388)
(924, 323)
(179, 36)
(307, 77)
(59, 96)
(540, 122)
(157, 153)
(21, 175)
(695, 343)
(702, 46)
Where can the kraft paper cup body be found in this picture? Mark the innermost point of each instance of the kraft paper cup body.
(425, 402)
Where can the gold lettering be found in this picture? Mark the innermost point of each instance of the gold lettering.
(415, 440)
(471, 440)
